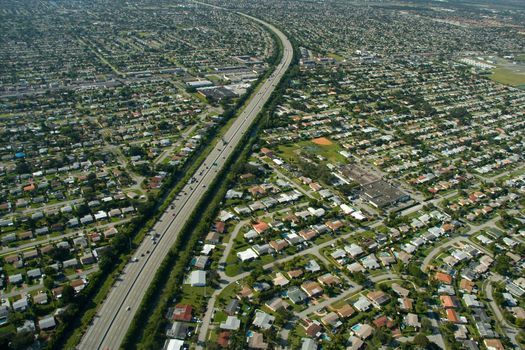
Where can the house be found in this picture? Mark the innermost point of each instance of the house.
(40, 298)
(232, 307)
(87, 259)
(402, 292)
(312, 328)
(57, 292)
(518, 312)
(27, 326)
(11, 259)
(34, 273)
(362, 304)
(280, 280)
(466, 285)
(232, 323)
(201, 262)
(443, 277)
(362, 331)
(47, 322)
(470, 344)
(223, 339)
(471, 300)
(70, 263)
(246, 292)
(312, 266)
(182, 312)
(354, 343)
(173, 344)
(461, 333)
(452, 316)
(4, 314)
(20, 305)
(449, 301)
(311, 288)
(412, 320)
(405, 303)
(276, 304)
(344, 311)
(331, 319)
(197, 278)
(297, 273)
(78, 284)
(383, 321)
(110, 232)
(247, 255)
(370, 262)
(16, 279)
(261, 249)
(296, 295)
(307, 234)
(329, 280)
(30, 254)
(378, 298)
(485, 330)
(260, 227)
(493, 344)
(178, 330)
(308, 344)
(256, 341)
(263, 320)
(213, 237)
(279, 245)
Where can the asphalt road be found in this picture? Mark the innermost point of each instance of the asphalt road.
(509, 330)
(116, 313)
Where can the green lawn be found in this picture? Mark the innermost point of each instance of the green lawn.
(195, 296)
(220, 316)
(335, 56)
(330, 152)
(508, 77)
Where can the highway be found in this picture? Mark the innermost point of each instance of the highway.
(114, 316)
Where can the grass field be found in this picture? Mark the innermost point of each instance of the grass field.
(335, 56)
(329, 152)
(508, 77)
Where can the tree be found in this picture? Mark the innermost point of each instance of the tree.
(502, 264)
(68, 294)
(426, 325)
(49, 282)
(421, 340)
(22, 167)
(22, 340)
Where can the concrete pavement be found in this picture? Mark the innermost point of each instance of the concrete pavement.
(441, 247)
(509, 330)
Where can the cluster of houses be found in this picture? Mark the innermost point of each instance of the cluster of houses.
(480, 205)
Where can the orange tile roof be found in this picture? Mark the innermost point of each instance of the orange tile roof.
(452, 316)
(447, 301)
(444, 277)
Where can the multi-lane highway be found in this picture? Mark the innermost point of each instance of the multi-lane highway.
(116, 313)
